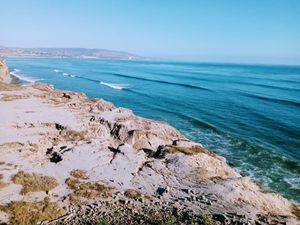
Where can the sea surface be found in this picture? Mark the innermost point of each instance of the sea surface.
(250, 114)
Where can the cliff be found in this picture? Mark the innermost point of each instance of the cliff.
(4, 72)
(70, 159)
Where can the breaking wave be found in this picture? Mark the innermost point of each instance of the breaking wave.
(114, 86)
(22, 77)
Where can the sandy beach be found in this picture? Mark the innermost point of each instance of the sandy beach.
(70, 159)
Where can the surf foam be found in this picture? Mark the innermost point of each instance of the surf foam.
(16, 72)
(114, 86)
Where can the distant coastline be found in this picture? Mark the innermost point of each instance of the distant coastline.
(67, 53)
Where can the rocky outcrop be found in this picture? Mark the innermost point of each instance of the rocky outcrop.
(108, 164)
(4, 72)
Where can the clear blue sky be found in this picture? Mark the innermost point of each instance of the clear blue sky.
(266, 31)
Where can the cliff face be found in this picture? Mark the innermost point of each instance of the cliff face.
(4, 72)
(85, 161)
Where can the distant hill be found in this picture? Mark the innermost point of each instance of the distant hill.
(66, 53)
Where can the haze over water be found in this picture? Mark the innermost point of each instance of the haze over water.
(250, 114)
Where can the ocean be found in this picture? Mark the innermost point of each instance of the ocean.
(250, 114)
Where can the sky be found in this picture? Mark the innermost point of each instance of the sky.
(259, 31)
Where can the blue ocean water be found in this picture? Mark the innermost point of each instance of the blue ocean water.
(250, 114)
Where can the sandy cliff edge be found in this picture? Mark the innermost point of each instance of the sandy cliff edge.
(70, 159)
(4, 72)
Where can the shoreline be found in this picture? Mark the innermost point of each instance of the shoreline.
(15, 80)
(85, 143)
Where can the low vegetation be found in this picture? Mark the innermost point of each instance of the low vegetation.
(34, 182)
(188, 150)
(28, 213)
(296, 210)
(133, 194)
(80, 174)
(90, 190)
(103, 222)
(206, 218)
(10, 87)
(72, 135)
(2, 184)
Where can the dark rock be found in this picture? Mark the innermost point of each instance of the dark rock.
(131, 132)
(55, 157)
(115, 131)
(49, 150)
(259, 223)
(66, 96)
(220, 217)
(185, 190)
(66, 150)
(160, 152)
(59, 127)
(122, 201)
(114, 150)
(174, 142)
(174, 211)
(160, 191)
(149, 152)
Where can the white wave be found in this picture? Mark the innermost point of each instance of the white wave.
(114, 86)
(15, 73)
(68, 75)
(293, 181)
(56, 71)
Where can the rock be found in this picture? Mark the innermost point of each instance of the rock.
(220, 217)
(185, 190)
(160, 191)
(49, 150)
(55, 157)
(59, 127)
(160, 152)
(114, 150)
(66, 96)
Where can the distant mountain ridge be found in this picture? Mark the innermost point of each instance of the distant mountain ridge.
(67, 53)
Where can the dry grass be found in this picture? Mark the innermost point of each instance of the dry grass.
(2, 184)
(28, 213)
(72, 135)
(188, 150)
(10, 87)
(12, 145)
(80, 174)
(90, 190)
(33, 147)
(43, 87)
(296, 210)
(34, 182)
(134, 194)
(7, 98)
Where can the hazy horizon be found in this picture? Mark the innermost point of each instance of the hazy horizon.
(208, 31)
